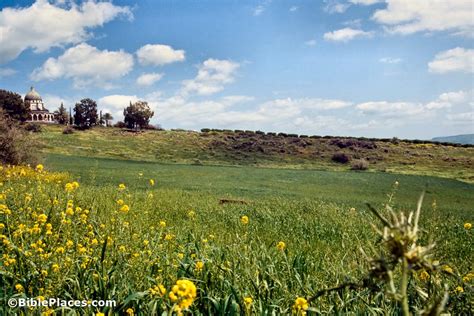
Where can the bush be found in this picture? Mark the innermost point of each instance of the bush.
(16, 147)
(205, 130)
(340, 158)
(33, 127)
(359, 164)
(120, 124)
(68, 130)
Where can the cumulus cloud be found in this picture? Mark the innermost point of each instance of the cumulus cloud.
(212, 75)
(453, 60)
(44, 25)
(115, 104)
(448, 99)
(466, 117)
(6, 72)
(390, 60)
(365, 2)
(346, 34)
(391, 109)
(85, 65)
(157, 55)
(407, 17)
(149, 79)
(334, 6)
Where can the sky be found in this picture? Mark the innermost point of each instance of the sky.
(373, 68)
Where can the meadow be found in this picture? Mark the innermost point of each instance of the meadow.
(153, 236)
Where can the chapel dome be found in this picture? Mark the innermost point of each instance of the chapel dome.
(32, 95)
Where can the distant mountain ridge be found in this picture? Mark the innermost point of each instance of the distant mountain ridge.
(458, 139)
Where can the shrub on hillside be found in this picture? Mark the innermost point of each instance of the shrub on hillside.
(120, 124)
(68, 130)
(16, 147)
(340, 158)
(33, 127)
(359, 164)
(205, 130)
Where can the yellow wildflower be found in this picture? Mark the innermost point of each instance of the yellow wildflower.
(152, 182)
(448, 269)
(424, 276)
(39, 168)
(19, 288)
(467, 226)
(281, 246)
(130, 312)
(42, 218)
(199, 265)
(301, 305)
(120, 202)
(244, 220)
(248, 302)
(459, 289)
(183, 294)
(162, 224)
(55, 267)
(122, 186)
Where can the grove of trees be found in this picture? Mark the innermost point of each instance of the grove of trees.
(85, 113)
(137, 115)
(13, 105)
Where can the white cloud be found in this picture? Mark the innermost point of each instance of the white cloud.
(115, 104)
(334, 6)
(212, 75)
(294, 8)
(86, 65)
(390, 60)
(149, 79)
(311, 42)
(448, 99)
(407, 16)
(258, 10)
(454, 60)
(365, 2)
(44, 25)
(6, 72)
(466, 117)
(158, 54)
(391, 109)
(346, 34)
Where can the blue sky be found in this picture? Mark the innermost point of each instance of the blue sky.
(339, 67)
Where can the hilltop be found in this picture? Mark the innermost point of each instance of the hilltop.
(459, 139)
(237, 148)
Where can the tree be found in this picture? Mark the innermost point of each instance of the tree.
(13, 105)
(61, 115)
(85, 113)
(137, 115)
(16, 147)
(107, 117)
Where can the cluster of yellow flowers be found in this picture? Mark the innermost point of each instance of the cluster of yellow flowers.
(71, 186)
(300, 306)
(183, 294)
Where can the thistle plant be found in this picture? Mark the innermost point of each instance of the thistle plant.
(401, 255)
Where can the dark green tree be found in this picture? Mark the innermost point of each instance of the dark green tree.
(85, 113)
(137, 115)
(61, 115)
(107, 117)
(13, 105)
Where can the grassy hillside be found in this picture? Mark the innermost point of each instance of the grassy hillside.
(230, 148)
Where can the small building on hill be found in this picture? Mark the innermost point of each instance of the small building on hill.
(38, 113)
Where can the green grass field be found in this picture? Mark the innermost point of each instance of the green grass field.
(96, 248)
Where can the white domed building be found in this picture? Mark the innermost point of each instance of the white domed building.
(38, 113)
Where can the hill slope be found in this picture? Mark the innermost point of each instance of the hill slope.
(458, 139)
(264, 150)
